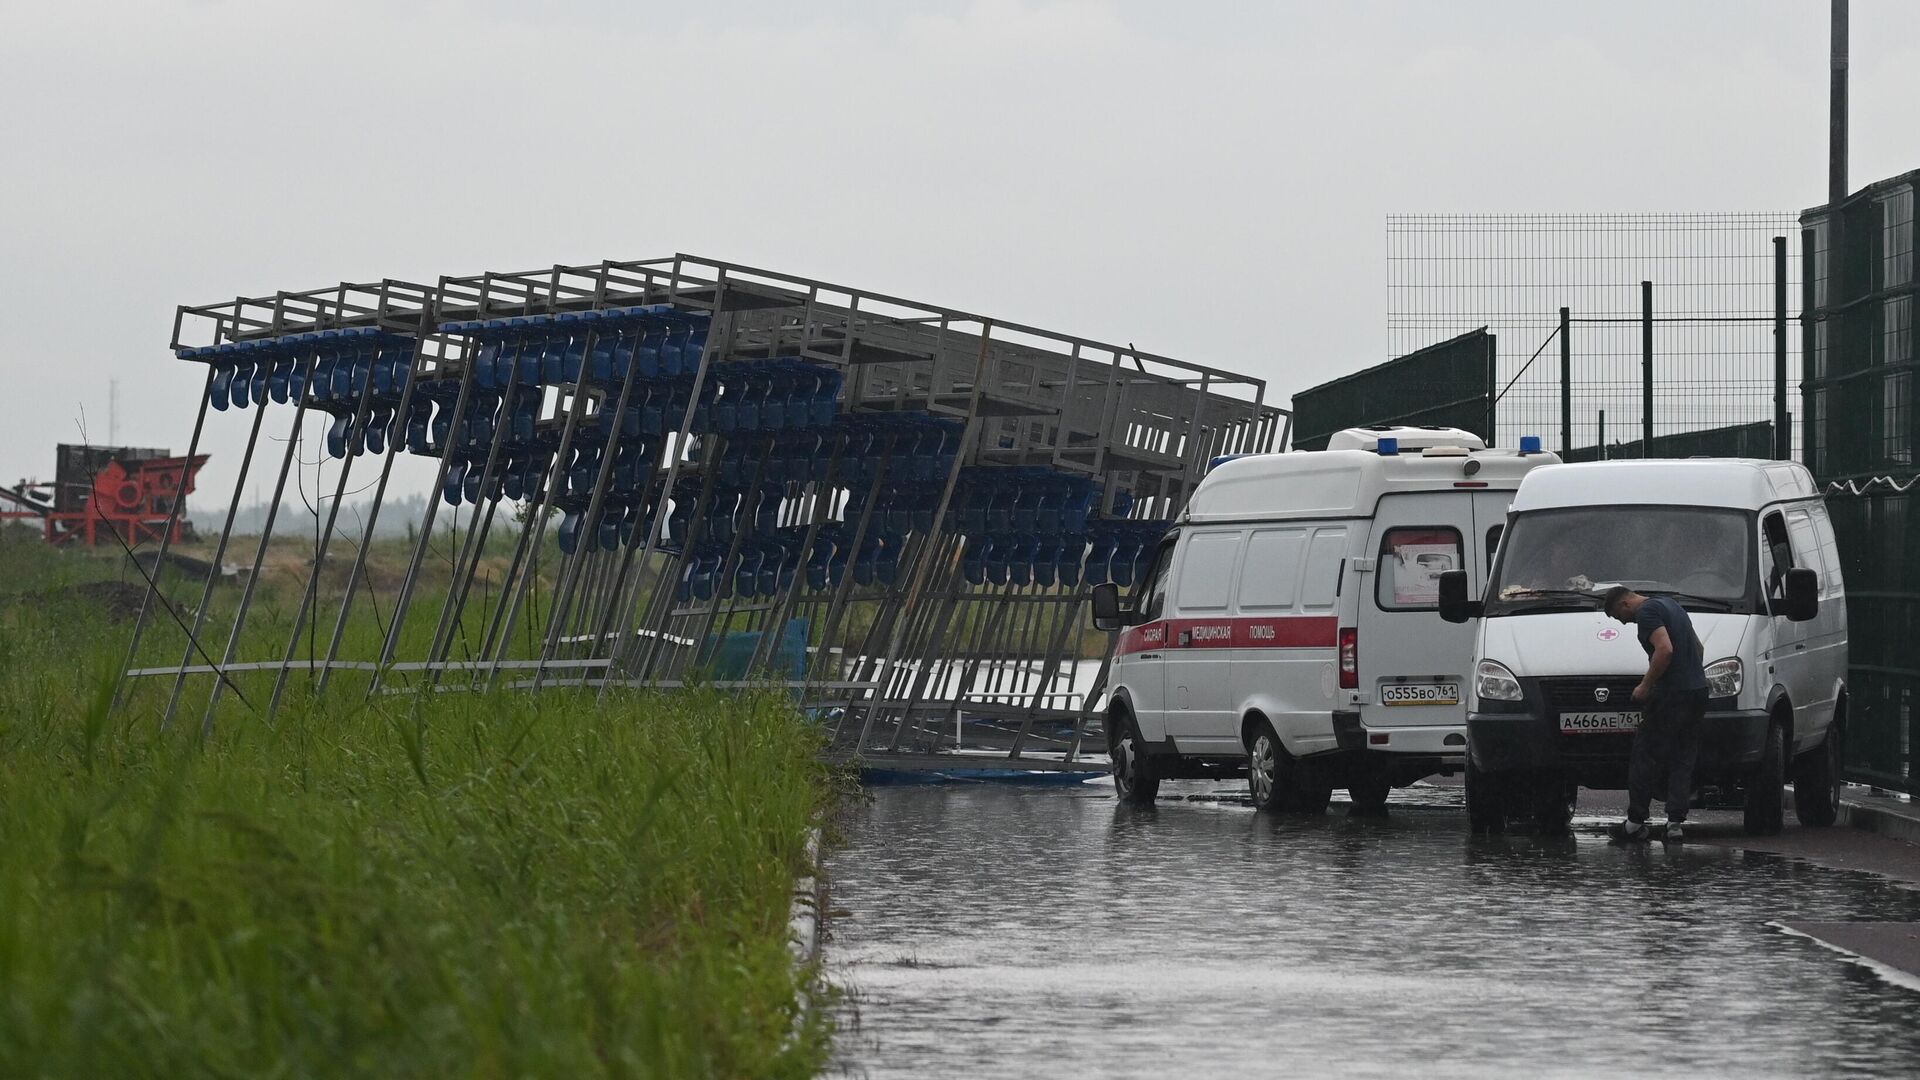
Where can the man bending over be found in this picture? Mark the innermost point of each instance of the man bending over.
(1673, 699)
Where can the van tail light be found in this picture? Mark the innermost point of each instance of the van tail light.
(1349, 658)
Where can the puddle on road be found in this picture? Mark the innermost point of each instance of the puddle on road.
(1002, 931)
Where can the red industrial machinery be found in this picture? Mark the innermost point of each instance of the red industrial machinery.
(128, 490)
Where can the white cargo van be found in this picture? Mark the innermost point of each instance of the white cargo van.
(1745, 547)
(1289, 625)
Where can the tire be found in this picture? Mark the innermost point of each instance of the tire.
(1369, 794)
(1486, 802)
(1553, 798)
(1817, 776)
(1267, 769)
(1766, 788)
(1275, 780)
(1134, 780)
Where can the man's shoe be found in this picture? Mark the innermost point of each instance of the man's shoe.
(1676, 832)
(1629, 832)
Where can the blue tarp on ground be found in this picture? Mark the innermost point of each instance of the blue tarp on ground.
(734, 651)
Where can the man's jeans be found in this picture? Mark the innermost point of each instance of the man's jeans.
(1670, 736)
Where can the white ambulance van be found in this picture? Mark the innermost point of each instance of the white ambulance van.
(1289, 626)
(1745, 547)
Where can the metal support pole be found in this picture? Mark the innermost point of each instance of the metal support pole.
(626, 652)
(310, 595)
(468, 550)
(1646, 369)
(706, 643)
(942, 554)
(1067, 619)
(1782, 434)
(1566, 383)
(1601, 444)
(660, 606)
(166, 538)
(1092, 695)
(395, 446)
(844, 588)
(1837, 110)
(588, 541)
(1493, 384)
(425, 539)
(819, 510)
(549, 492)
(259, 555)
(220, 550)
(917, 582)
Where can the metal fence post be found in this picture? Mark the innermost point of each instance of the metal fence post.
(1566, 383)
(1646, 369)
(1782, 434)
(1493, 385)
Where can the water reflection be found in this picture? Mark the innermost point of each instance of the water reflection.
(1002, 931)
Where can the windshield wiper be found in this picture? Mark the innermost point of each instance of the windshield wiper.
(1684, 597)
(1544, 605)
(1523, 593)
(1543, 601)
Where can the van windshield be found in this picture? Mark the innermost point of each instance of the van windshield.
(1566, 560)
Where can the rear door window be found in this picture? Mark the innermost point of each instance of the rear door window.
(1411, 562)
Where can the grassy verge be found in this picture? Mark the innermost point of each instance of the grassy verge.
(423, 886)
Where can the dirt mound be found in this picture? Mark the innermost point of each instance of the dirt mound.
(116, 599)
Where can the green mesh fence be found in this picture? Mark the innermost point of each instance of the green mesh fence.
(1859, 359)
(1445, 385)
(1739, 440)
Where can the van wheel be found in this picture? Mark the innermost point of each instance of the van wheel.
(1276, 781)
(1133, 776)
(1486, 802)
(1766, 788)
(1369, 794)
(1553, 798)
(1816, 781)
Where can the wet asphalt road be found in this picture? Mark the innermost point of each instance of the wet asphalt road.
(991, 930)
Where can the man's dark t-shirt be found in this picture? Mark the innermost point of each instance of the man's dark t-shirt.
(1684, 671)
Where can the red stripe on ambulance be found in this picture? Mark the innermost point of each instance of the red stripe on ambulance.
(1247, 632)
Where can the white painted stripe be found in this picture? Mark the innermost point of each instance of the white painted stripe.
(1905, 980)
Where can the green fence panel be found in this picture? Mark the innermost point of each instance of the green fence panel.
(1861, 373)
(1734, 441)
(1878, 558)
(1445, 385)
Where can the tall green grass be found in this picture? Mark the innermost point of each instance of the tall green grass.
(427, 885)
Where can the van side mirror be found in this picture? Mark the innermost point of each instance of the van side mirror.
(1107, 613)
(1455, 607)
(1801, 587)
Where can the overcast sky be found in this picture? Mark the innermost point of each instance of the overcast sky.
(1208, 180)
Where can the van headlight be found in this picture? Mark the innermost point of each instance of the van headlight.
(1725, 678)
(1493, 682)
